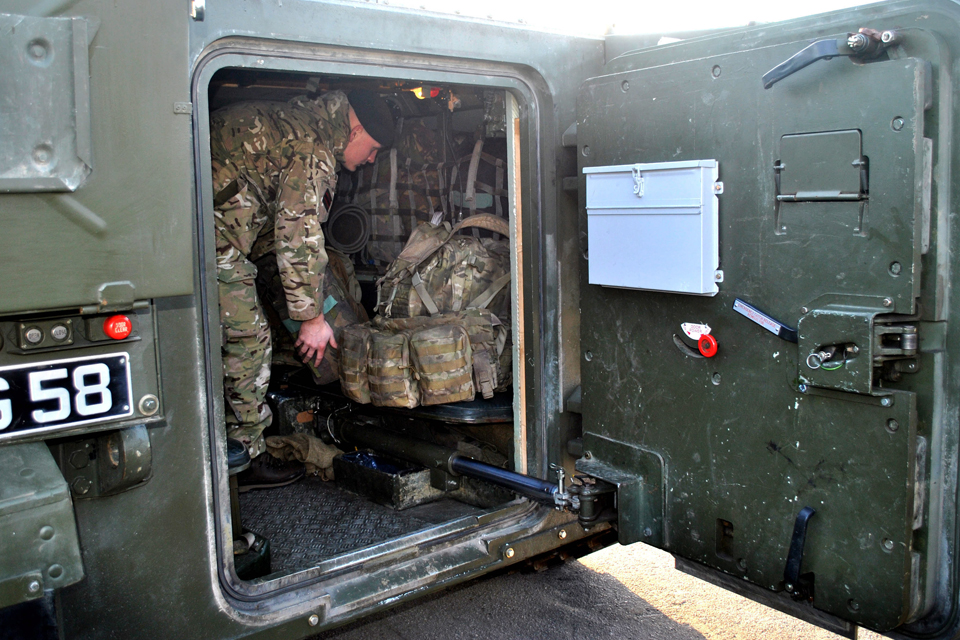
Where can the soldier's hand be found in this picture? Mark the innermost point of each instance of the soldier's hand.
(313, 338)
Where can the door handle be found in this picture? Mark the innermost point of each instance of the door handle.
(865, 44)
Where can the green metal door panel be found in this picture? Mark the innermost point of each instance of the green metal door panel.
(127, 217)
(753, 435)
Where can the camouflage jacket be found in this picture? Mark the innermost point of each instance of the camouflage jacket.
(287, 155)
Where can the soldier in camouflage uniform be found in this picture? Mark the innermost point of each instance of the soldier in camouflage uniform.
(274, 176)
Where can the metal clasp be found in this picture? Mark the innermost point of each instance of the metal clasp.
(198, 9)
(637, 182)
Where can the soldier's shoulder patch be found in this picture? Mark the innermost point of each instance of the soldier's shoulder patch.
(327, 199)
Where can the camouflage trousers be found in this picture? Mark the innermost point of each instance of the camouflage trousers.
(246, 351)
(245, 346)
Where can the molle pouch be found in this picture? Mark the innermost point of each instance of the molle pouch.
(491, 358)
(390, 372)
(442, 357)
(354, 349)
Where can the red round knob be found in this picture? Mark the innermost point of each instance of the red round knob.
(117, 327)
(707, 345)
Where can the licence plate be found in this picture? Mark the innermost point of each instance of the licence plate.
(63, 393)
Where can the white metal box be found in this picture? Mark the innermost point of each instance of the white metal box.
(654, 226)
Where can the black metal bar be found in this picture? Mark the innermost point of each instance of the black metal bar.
(517, 482)
(434, 456)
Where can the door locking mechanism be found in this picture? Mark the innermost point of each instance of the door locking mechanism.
(866, 44)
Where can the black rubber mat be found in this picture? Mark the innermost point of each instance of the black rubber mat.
(311, 520)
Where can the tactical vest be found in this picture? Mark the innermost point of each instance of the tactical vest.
(406, 362)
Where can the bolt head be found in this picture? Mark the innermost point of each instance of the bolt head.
(313, 620)
(886, 402)
(149, 404)
(509, 553)
(802, 388)
(82, 485)
(562, 534)
(789, 587)
(888, 544)
(79, 459)
(33, 587)
(888, 302)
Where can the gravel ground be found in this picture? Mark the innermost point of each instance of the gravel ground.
(620, 592)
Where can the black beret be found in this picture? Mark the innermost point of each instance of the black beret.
(374, 115)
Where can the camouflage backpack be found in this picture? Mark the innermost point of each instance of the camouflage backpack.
(439, 271)
(406, 362)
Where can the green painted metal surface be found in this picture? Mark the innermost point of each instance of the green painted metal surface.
(39, 549)
(129, 220)
(692, 441)
(752, 435)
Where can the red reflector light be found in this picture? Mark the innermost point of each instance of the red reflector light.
(117, 327)
(707, 345)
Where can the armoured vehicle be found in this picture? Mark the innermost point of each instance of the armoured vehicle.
(732, 260)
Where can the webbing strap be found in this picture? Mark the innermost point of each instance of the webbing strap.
(501, 342)
(484, 373)
(394, 202)
(427, 191)
(470, 197)
(410, 195)
(421, 290)
(485, 298)
(373, 181)
(443, 190)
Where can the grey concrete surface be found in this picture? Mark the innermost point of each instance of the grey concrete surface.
(620, 592)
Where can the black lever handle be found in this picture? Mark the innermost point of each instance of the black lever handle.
(819, 50)
(865, 44)
(791, 573)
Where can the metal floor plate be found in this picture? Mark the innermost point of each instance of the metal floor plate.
(311, 520)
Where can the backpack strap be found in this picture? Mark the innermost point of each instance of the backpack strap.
(485, 298)
(486, 221)
(421, 290)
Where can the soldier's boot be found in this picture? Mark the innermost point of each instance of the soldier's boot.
(267, 471)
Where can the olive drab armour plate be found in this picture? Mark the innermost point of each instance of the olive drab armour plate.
(824, 214)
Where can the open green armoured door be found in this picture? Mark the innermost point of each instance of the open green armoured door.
(764, 309)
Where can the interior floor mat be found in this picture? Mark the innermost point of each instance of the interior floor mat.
(311, 520)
